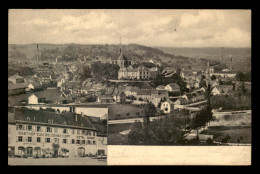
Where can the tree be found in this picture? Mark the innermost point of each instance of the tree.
(202, 117)
(241, 77)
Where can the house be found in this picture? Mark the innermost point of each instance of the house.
(153, 72)
(196, 85)
(33, 86)
(215, 91)
(160, 87)
(119, 97)
(51, 95)
(176, 101)
(153, 61)
(173, 87)
(105, 99)
(168, 70)
(184, 96)
(167, 106)
(32, 100)
(144, 94)
(17, 88)
(131, 90)
(16, 79)
(163, 93)
(156, 100)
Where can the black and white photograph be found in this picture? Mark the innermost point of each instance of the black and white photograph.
(83, 80)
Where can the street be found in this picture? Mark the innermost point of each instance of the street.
(56, 161)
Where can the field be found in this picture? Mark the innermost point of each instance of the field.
(235, 132)
(121, 111)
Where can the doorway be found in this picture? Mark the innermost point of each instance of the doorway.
(29, 151)
(81, 152)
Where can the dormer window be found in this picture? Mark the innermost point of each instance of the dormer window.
(49, 121)
(28, 118)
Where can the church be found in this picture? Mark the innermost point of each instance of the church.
(122, 60)
(127, 71)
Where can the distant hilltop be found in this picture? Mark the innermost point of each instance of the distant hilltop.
(167, 56)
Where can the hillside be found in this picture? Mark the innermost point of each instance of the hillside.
(70, 52)
(241, 56)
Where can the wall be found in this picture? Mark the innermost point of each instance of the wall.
(73, 148)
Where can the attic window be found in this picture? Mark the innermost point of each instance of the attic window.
(49, 121)
(28, 118)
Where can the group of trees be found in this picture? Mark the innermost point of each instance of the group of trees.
(231, 102)
(164, 131)
(104, 71)
(202, 118)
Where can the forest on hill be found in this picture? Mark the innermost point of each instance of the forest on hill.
(71, 52)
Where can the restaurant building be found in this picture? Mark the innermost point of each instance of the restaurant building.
(34, 133)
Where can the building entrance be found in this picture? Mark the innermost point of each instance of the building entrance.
(29, 151)
(81, 152)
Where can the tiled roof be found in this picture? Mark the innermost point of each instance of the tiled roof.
(17, 86)
(104, 97)
(144, 92)
(65, 118)
(160, 87)
(14, 77)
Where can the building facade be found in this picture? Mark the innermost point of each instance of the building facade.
(31, 134)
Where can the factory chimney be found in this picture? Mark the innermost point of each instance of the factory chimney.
(230, 62)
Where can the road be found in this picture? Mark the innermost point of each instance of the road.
(55, 161)
(132, 120)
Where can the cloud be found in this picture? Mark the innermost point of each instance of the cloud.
(177, 28)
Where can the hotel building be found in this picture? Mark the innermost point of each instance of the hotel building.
(48, 134)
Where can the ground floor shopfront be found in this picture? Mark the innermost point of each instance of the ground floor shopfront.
(43, 151)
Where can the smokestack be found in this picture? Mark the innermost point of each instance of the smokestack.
(37, 54)
(230, 62)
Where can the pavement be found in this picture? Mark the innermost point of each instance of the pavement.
(55, 161)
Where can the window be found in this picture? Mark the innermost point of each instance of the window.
(73, 132)
(89, 142)
(94, 133)
(77, 141)
(49, 129)
(47, 140)
(72, 141)
(78, 132)
(20, 139)
(20, 127)
(29, 128)
(38, 139)
(64, 141)
(83, 142)
(29, 139)
(38, 128)
(94, 142)
(83, 133)
(56, 140)
(64, 131)
(55, 130)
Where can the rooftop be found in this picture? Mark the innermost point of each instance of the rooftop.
(47, 117)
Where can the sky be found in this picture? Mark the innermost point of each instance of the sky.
(165, 28)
